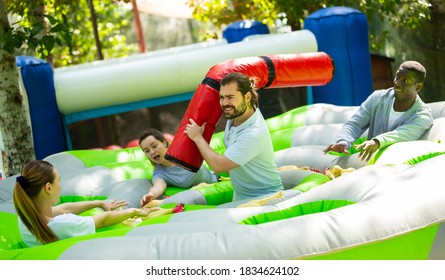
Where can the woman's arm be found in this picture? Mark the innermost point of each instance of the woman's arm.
(110, 218)
(158, 189)
(82, 206)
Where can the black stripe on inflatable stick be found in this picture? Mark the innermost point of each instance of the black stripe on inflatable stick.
(211, 83)
(271, 69)
(181, 163)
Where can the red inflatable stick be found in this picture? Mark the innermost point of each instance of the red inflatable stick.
(275, 71)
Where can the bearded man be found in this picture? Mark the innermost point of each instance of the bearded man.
(249, 157)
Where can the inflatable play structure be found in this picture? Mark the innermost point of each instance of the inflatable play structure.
(391, 208)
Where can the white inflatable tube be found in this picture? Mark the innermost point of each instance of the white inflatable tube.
(86, 88)
(143, 56)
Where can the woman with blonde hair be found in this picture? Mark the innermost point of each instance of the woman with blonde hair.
(36, 192)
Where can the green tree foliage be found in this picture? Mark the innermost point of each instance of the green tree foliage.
(225, 12)
(33, 37)
(401, 13)
(62, 29)
(407, 13)
(39, 33)
(220, 13)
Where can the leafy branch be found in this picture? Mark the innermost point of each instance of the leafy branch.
(38, 36)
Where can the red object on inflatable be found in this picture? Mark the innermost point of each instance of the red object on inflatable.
(113, 147)
(168, 137)
(275, 71)
(133, 143)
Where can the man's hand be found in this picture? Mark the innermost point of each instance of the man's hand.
(338, 148)
(367, 149)
(193, 130)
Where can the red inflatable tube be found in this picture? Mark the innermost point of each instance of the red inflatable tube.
(275, 71)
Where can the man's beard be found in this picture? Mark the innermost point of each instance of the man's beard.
(237, 111)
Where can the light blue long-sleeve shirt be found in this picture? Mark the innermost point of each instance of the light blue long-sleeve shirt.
(373, 114)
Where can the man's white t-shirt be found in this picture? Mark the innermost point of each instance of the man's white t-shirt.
(393, 115)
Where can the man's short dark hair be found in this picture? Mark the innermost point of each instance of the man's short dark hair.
(415, 67)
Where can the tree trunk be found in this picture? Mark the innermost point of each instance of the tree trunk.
(14, 125)
(99, 54)
(37, 12)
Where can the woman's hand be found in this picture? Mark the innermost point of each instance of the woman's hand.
(144, 212)
(146, 199)
(113, 205)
